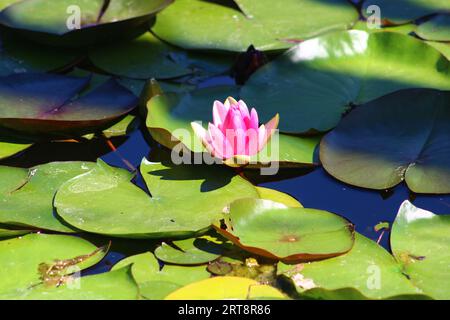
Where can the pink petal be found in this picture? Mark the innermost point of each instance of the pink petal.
(219, 113)
(254, 121)
(252, 142)
(230, 102)
(243, 109)
(266, 131)
(221, 146)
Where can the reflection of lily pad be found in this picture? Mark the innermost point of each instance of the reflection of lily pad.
(197, 24)
(169, 122)
(420, 241)
(156, 283)
(226, 288)
(273, 230)
(48, 104)
(104, 202)
(314, 83)
(27, 194)
(402, 136)
(22, 259)
(54, 22)
(366, 272)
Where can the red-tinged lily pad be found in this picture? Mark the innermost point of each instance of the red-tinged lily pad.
(404, 136)
(273, 230)
(49, 104)
(76, 23)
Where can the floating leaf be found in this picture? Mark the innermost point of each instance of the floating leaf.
(192, 251)
(435, 29)
(9, 148)
(276, 231)
(277, 196)
(400, 12)
(420, 241)
(314, 83)
(169, 122)
(366, 272)
(226, 288)
(44, 104)
(104, 202)
(10, 233)
(380, 144)
(27, 194)
(195, 24)
(155, 283)
(22, 257)
(54, 23)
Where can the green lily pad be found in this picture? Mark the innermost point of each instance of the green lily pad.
(435, 29)
(403, 11)
(420, 241)
(366, 272)
(53, 23)
(9, 148)
(284, 233)
(226, 288)
(196, 24)
(47, 104)
(194, 251)
(278, 196)
(114, 285)
(314, 83)
(10, 233)
(442, 47)
(27, 194)
(18, 56)
(102, 202)
(169, 118)
(6, 3)
(156, 282)
(370, 149)
(27, 260)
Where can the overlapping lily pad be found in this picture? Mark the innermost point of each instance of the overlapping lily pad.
(366, 272)
(27, 194)
(276, 231)
(156, 282)
(278, 196)
(104, 202)
(314, 83)
(10, 233)
(48, 104)
(25, 261)
(226, 288)
(9, 148)
(435, 29)
(402, 136)
(170, 115)
(402, 11)
(55, 22)
(420, 241)
(196, 24)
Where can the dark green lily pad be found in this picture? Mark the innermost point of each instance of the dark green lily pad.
(27, 194)
(48, 104)
(402, 11)
(435, 29)
(10, 233)
(169, 118)
(420, 241)
(314, 83)
(155, 283)
(194, 251)
(366, 272)
(105, 203)
(288, 234)
(195, 24)
(51, 22)
(402, 136)
(20, 56)
(25, 260)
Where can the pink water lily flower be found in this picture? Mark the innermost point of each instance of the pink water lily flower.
(235, 131)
